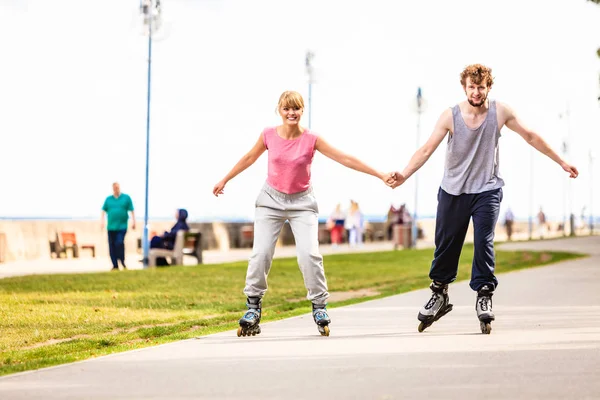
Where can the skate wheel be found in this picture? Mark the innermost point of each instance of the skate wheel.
(422, 327)
(486, 328)
(324, 330)
(239, 331)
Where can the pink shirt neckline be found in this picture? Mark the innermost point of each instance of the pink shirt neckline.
(304, 130)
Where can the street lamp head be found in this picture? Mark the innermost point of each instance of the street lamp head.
(418, 104)
(308, 59)
(308, 64)
(151, 16)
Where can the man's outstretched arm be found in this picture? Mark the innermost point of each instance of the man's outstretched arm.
(514, 123)
(420, 157)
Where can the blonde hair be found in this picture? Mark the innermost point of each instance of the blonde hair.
(353, 206)
(478, 74)
(290, 99)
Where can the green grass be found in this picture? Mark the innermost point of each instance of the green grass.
(53, 319)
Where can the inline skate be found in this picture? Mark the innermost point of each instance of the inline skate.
(437, 306)
(321, 318)
(483, 306)
(249, 323)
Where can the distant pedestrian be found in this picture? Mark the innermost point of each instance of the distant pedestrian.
(509, 220)
(541, 217)
(335, 224)
(116, 207)
(355, 225)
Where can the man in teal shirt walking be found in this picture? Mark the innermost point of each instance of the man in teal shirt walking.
(116, 207)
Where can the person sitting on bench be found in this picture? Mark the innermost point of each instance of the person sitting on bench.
(167, 239)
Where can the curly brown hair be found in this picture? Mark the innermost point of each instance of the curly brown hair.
(478, 74)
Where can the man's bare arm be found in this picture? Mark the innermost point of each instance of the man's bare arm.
(420, 157)
(514, 123)
(441, 129)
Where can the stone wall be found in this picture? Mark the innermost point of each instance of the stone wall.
(29, 239)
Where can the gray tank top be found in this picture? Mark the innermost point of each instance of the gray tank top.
(472, 155)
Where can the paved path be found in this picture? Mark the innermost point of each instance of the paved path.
(545, 344)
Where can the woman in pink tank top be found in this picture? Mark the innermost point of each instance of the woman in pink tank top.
(287, 196)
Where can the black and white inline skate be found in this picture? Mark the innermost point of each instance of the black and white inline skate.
(483, 305)
(437, 306)
(249, 323)
(321, 318)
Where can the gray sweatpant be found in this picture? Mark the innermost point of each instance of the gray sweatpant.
(273, 208)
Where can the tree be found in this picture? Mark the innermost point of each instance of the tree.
(597, 51)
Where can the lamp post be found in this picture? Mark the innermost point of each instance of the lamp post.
(150, 11)
(420, 108)
(569, 148)
(565, 151)
(567, 193)
(591, 154)
(309, 71)
(530, 193)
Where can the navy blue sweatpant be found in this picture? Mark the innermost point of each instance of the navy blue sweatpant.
(451, 224)
(116, 246)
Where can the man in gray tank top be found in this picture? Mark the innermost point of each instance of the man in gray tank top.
(471, 188)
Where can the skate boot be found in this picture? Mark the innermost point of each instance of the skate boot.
(321, 318)
(437, 306)
(251, 318)
(484, 308)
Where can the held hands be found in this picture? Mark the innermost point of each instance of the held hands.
(218, 189)
(394, 179)
(387, 178)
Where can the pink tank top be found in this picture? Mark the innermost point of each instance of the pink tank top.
(289, 160)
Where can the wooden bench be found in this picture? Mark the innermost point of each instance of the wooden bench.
(139, 241)
(68, 241)
(372, 234)
(187, 243)
(247, 236)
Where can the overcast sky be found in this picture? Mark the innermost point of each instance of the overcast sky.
(73, 98)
